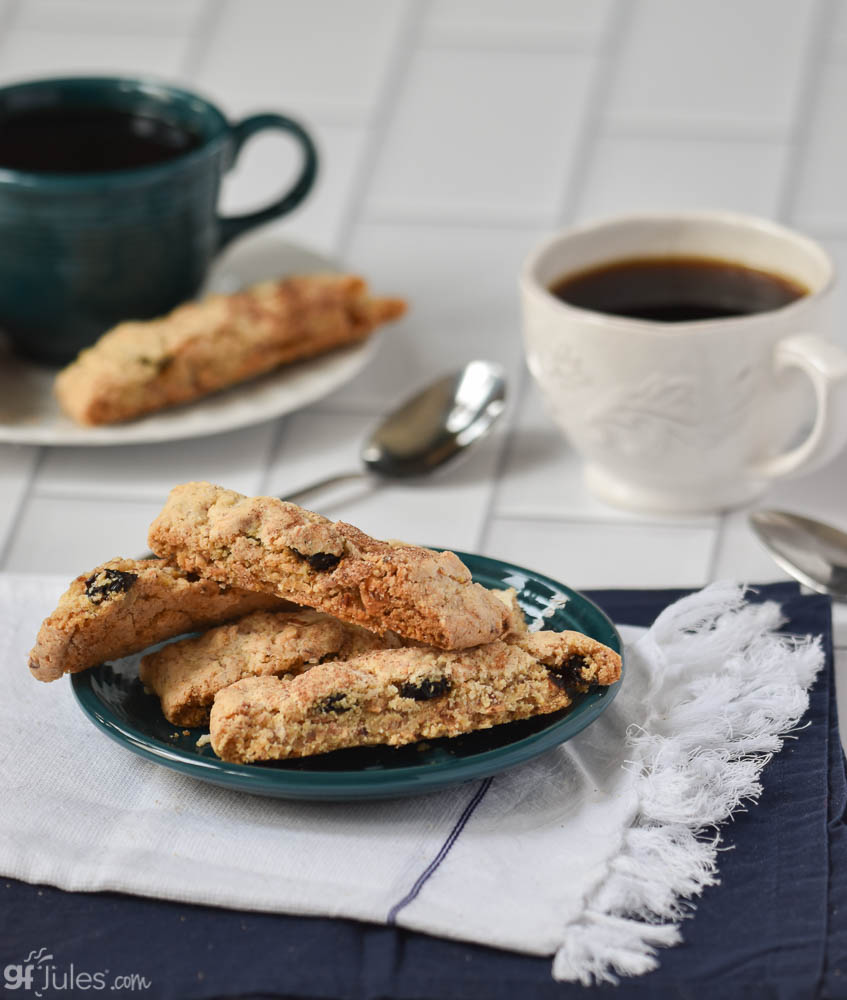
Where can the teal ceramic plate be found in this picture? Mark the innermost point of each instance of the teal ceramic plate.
(114, 699)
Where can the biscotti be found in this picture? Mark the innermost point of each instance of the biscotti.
(201, 347)
(574, 660)
(400, 696)
(265, 544)
(187, 674)
(126, 605)
(515, 621)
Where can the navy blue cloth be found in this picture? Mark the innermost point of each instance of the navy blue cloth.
(776, 926)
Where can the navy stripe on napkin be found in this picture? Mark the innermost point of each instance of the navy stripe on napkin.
(441, 854)
(766, 932)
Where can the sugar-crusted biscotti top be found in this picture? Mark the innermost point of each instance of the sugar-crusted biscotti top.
(266, 544)
(125, 605)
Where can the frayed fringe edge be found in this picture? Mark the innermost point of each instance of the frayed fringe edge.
(725, 692)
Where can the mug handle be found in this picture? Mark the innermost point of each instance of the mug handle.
(231, 226)
(826, 365)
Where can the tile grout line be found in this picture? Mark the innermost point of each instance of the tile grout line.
(69, 496)
(9, 18)
(327, 405)
(26, 496)
(439, 217)
(717, 548)
(200, 39)
(810, 86)
(611, 522)
(821, 230)
(397, 69)
(669, 129)
(273, 449)
(575, 46)
(487, 517)
(609, 47)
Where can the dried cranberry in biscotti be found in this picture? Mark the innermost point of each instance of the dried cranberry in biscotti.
(426, 689)
(320, 561)
(568, 673)
(104, 585)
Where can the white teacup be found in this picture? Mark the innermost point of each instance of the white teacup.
(691, 416)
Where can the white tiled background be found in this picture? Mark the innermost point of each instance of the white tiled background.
(454, 134)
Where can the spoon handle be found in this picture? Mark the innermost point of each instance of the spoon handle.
(321, 484)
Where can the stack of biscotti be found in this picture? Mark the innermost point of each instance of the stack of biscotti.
(388, 643)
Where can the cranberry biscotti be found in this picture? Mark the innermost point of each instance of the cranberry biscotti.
(201, 347)
(266, 544)
(400, 696)
(126, 605)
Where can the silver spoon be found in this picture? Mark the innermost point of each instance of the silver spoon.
(812, 552)
(430, 429)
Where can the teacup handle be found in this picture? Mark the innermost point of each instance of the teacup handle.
(826, 365)
(234, 225)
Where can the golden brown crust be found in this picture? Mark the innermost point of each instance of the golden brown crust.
(125, 605)
(261, 543)
(399, 696)
(201, 347)
(187, 674)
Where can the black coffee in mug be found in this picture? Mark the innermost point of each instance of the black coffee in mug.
(90, 140)
(108, 204)
(676, 289)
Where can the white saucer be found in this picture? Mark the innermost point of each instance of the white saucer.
(29, 413)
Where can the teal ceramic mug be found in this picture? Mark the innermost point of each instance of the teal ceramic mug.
(112, 232)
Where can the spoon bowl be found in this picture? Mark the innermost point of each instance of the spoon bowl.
(438, 423)
(430, 429)
(812, 552)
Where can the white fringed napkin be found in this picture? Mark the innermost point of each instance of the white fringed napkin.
(584, 854)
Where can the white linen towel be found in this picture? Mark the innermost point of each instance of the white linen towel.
(583, 854)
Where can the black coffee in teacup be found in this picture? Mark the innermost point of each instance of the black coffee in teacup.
(89, 140)
(676, 289)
